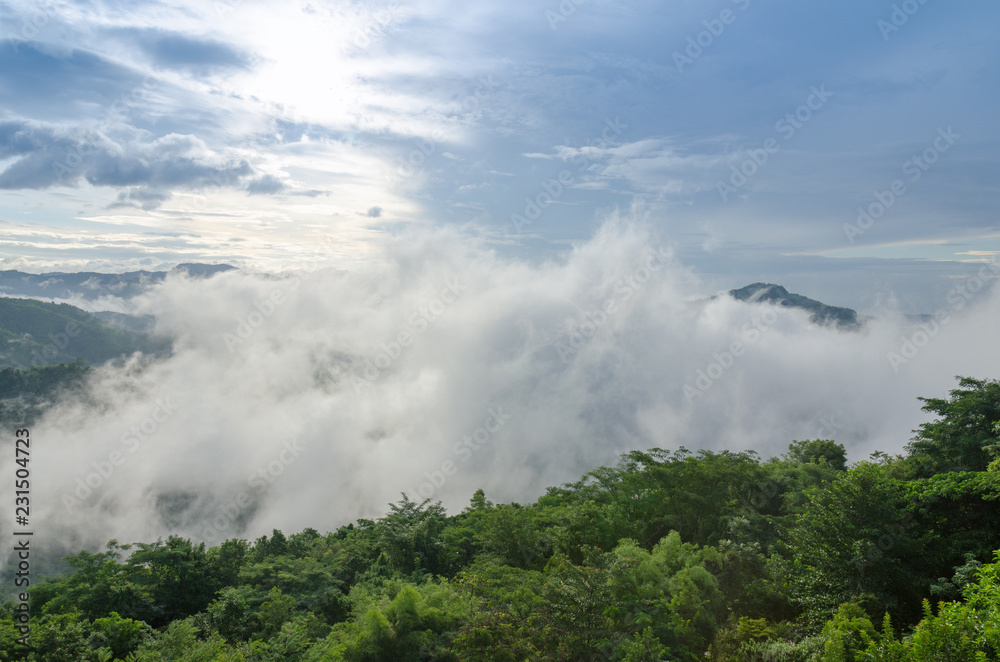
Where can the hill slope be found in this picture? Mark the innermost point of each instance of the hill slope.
(820, 313)
(34, 333)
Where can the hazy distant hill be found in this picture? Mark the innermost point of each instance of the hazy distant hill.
(133, 323)
(90, 285)
(34, 333)
(820, 313)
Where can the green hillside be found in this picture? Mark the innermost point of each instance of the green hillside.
(36, 333)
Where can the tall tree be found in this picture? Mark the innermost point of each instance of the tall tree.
(965, 437)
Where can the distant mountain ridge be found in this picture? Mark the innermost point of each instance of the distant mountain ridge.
(90, 285)
(819, 313)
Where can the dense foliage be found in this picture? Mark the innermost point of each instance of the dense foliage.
(666, 556)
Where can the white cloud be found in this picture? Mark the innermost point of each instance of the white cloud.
(483, 332)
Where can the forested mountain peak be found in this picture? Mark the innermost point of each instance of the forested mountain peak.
(820, 313)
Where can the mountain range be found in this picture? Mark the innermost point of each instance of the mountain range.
(89, 285)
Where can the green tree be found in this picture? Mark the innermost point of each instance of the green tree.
(819, 451)
(965, 437)
(644, 647)
(509, 620)
(884, 647)
(277, 610)
(63, 637)
(226, 560)
(510, 535)
(855, 542)
(119, 635)
(398, 622)
(311, 583)
(234, 613)
(183, 641)
(847, 634)
(178, 575)
(968, 630)
(409, 535)
(99, 584)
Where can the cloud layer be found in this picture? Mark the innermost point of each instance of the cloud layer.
(316, 397)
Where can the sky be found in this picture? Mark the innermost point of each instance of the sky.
(479, 242)
(750, 135)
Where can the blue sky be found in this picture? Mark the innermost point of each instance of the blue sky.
(143, 134)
